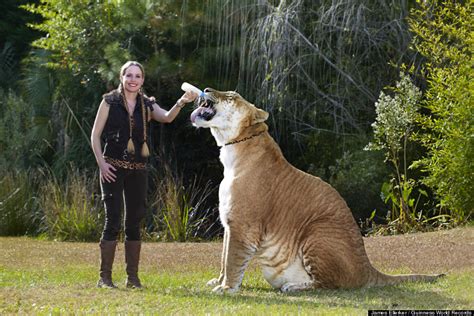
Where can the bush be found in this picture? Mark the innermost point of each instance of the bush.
(393, 131)
(20, 136)
(18, 204)
(358, 177)
(72, 210)
(444, 37)
(182, 214)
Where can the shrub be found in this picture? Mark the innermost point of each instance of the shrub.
(358, 177)
(182, 213)
(18, 204)
(444, 37)
(393, 129)
(20, 136)
(72, 210)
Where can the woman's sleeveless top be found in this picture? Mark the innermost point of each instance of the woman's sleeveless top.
(116, 132)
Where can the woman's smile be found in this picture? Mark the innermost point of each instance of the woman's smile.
(133, 79)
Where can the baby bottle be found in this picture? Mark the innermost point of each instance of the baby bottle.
(187, 87)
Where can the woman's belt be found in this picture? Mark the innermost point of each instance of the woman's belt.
(125, 164)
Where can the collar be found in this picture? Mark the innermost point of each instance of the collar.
(244, 139)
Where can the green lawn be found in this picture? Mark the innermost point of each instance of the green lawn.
(45, 277)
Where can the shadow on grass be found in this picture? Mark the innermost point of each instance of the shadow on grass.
(389, 297)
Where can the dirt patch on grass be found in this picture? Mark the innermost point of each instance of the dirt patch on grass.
(436, 252)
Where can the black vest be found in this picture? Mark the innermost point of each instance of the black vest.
(116, 131)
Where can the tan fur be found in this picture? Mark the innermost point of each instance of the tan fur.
(298, 226)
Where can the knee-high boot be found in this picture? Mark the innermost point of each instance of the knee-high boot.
(132, 258)
(107, 255)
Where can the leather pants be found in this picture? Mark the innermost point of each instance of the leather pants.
(130, 186)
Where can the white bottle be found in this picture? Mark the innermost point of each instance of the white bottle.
(187, 87)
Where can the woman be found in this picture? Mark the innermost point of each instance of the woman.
(123, 119)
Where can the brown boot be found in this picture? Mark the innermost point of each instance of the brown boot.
(107, 254)
(132, 258)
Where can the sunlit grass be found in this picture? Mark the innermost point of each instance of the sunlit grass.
(64, 276)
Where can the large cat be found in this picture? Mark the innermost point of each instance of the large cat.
(298, 226)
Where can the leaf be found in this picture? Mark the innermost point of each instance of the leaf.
(387, 189)
(372, 215)
(423, 192)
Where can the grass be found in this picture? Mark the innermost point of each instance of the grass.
(71, 210)
(47, 277)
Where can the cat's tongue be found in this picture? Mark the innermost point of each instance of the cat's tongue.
(204, 112)
(196, 113)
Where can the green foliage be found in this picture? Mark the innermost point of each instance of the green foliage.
(75, 30)
(7, 64)
(395, 122)
(444, 38)
(93, 40)
(395, 119)
(181, 210)
(393, 129)
(358, 176)
(72, 210)
(18, 204)
(15, 39)
(19, 141)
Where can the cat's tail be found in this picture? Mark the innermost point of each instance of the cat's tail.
(381, 279)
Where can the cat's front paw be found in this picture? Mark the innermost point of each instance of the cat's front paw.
(296, 287)
(214, 282)
(224, 289)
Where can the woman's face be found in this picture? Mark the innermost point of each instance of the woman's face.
(132, 79)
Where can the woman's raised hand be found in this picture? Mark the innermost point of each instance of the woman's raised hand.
(189, 97)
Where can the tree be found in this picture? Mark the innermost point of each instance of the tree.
(444, 38)
(15, 40)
